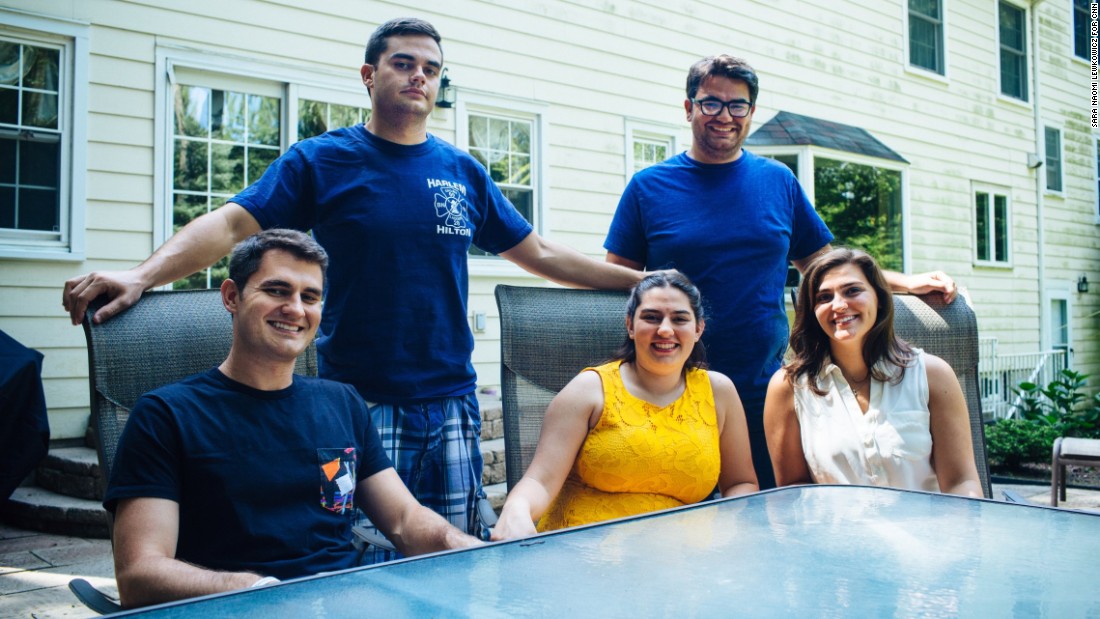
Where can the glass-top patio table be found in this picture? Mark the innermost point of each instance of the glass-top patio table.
(835, 551)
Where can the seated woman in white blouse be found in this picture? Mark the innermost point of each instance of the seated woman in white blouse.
(858, 405)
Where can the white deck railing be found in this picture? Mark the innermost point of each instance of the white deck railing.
(998, 375)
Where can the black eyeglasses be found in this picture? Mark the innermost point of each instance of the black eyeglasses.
(739, 108)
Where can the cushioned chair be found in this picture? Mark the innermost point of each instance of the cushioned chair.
(548, 335)
(1075, 451)
(165, 337)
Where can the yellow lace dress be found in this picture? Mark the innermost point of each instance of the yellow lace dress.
(641, 457)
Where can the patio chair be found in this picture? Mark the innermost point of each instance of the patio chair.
(166, 337)
(548, 335)
(949, 331)
(1075, 451)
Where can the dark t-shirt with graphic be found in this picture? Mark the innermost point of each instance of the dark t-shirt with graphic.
(397, 222)
(265, 480)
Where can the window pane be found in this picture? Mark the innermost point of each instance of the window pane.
(1054, 158)
(259, 159)
(498, 166)
(40, 163)
(227, 120)
(311, 118)
(226, 168)
(40, 68)
(7, 207)
(192, 111)
(9, 149)
(791, 161)
(1013, 51)
(499, 134)
(186, 208)
(479, 132)
(1000, 219)
(927, 8)
(862, 206)
(981, 220)
(923, 44)
(520, 170)
(343, 116)
(9, 63)
(521, 137)
(263, 120)
(38, 210)
(1059, 323)
(190, 161)
(40, 109)
(9, 106)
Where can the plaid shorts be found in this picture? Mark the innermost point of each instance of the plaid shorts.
(435, 448)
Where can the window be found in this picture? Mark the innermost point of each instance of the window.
(504, 144)
(647, 144)
(991, 226)
(43, 86)
(1082, 21)
(222, 141)
(1059, 324)
(225, 124)
(926, 35)
(648, 151)
(862, 206)
(1053, 139)
(1013, 38)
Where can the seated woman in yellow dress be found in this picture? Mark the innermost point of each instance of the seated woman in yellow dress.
(651, 430)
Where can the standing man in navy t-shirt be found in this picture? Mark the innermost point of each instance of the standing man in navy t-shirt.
(246, 473)
(397, 210)
(731, 221)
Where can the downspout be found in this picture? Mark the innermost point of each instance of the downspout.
(1040, 151)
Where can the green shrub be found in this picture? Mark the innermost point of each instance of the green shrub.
(1062, 405)
(1012, 442)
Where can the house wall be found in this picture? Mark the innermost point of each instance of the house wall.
(591, 69)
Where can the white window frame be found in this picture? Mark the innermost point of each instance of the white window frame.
(1061, 191)
(917, 69)
(1085, 60)
(991, 191)
(1028, 86)
(634, 129)
(476, 102)
(243, 74)
(71, 38)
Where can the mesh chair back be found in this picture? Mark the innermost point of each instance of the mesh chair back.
(547, 336)
(949, 331)
(163, 338)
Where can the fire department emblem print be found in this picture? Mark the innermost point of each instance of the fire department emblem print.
(450, 205)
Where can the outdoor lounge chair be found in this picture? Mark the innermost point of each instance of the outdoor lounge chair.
(548, 335)
(1075, 451)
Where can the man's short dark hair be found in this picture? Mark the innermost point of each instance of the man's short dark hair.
(401, 26)
(725, 66)
(245, 258)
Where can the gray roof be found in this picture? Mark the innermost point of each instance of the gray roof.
(786, 129)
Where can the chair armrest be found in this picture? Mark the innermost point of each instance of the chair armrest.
(371, 537)
(93, 598)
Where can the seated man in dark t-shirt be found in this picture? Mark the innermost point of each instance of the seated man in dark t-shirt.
(247, 474)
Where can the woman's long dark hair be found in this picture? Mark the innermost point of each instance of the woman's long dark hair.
(810, 344)
(665, 279)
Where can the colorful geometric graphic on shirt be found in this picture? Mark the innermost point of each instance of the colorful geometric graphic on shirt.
(338, 468)
(450, 206)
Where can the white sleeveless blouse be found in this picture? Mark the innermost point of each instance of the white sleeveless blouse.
(889, 445)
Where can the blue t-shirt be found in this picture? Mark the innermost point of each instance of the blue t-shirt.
(265, 480)
(731, 228)
(397, 222)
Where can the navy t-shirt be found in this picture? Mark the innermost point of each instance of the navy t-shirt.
(731, 228)
(265, 480)
(397, 222)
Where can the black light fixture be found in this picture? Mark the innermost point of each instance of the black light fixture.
(446, 96)
(1082, 284)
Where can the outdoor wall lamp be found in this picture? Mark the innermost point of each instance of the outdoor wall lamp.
(446, 96)
(1082, 284)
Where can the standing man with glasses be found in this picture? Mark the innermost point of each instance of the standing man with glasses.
(731, 220)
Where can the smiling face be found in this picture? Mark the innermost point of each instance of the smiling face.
(845, 304)
(664, 330)
(276, 314)
(405, 79)
(718, 139)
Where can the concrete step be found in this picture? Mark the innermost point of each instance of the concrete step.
(492, 454)
(38, 509)
(71, 471)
